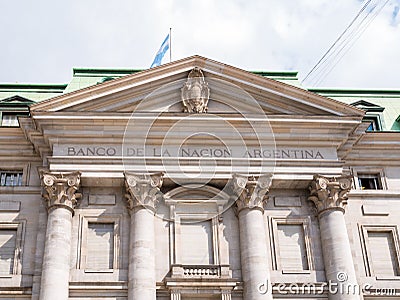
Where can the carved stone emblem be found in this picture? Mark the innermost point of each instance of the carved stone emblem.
(195, 93)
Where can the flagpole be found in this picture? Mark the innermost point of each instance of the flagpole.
(170, 45)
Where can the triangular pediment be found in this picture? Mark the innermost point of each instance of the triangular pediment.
(368, 106)
(231, 90)
(16, 101)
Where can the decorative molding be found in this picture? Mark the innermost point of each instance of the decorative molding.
(330, 192)
(59, 189)
(195, 93)
(251, 191)
(7, 206)
(102, 199)
(287, 201)
(143, 190)
(375, 210)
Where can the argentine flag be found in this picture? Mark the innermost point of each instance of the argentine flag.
(161, 52)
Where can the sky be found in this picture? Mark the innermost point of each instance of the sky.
(42, 40)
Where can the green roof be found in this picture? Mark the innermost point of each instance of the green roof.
(31, 91)
(85, 77)
(387, 98)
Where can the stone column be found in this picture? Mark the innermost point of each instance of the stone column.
(143, 193)
(226, 295)
(253, 245)
(175, 295)
(330, 197)
(59, 192)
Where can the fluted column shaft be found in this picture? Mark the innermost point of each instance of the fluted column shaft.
(330, 197)
(226, 295)
(142, 196)
(175, 295)
(253, 245)
(59, 191)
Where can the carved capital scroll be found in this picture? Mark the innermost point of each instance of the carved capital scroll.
(330, 192)
(59, 189)
(251, 191)
(143, 190)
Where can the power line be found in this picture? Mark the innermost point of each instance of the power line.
(349, 36)
(337, 40)
(356, 37)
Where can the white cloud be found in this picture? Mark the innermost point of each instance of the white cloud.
(46, 39)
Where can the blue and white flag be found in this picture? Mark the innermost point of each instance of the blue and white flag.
(161, 52)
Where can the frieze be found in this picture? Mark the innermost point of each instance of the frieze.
(281, 153)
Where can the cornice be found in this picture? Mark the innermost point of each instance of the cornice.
(380, 138)
(33, 135)
(376, 148)
(244, 79)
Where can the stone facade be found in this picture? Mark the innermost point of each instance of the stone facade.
(264, 191)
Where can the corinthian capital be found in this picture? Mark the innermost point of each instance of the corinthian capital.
(330, 192)
(59, 189)
(251, 191)
(143, 189)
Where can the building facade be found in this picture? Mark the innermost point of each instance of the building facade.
(198, 180)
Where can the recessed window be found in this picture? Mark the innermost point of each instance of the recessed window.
(100, 246)
(383, 254)
(10, 178)
(198, 234)
(11, 245)
(8, 239)
(373, 114)
(292, 247)
(10, 119)
(369, 181)
(374, 123)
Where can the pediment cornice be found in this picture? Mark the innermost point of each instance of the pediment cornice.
(125, 93)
